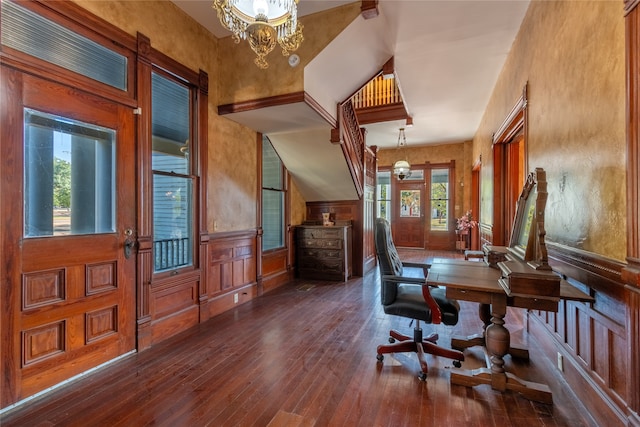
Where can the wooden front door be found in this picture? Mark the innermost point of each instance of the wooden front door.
(409, 217)
(68, 212)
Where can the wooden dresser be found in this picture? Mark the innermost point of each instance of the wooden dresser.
(324, 252)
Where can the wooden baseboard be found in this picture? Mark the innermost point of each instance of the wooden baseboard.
(276, 280)
(221, 303)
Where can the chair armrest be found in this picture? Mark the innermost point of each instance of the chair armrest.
(416, 265)
(436, 314)
(403, 279)
(425, 267)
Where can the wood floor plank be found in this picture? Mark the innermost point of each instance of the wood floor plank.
(302, 355)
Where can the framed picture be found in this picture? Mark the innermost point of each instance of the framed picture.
(410, 203)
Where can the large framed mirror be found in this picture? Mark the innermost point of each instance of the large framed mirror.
(528, 232)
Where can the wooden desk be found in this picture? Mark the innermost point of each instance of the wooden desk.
(473, 281)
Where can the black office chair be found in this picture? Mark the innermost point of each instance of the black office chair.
(411, 297)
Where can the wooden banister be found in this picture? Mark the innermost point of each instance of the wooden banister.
(351, 138)
(377, 93)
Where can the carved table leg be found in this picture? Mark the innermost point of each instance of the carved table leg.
(497, 339)
(484, 312)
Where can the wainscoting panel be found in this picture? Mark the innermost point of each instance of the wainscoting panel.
(173, 305)
(592, 338)
(276, 269)
(231, 270)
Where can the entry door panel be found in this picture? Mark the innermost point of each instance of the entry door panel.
(72, 293)
(409, 222)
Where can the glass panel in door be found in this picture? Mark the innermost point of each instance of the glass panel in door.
(69, 176)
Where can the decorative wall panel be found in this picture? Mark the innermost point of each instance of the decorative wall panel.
(594, 336)
(173, 298)
(232, 262)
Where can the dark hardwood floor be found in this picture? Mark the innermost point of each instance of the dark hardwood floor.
(302, 355)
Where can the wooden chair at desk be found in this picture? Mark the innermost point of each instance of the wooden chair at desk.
(524, 279)
(412, 298)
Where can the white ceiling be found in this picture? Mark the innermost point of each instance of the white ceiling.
(448, 55)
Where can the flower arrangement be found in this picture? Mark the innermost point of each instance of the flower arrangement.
(466, 222)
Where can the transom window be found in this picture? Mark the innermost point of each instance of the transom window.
(35, 35)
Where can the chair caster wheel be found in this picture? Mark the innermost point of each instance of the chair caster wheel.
(457, 363)
(422, 376)
(380, 358)
(392, 340)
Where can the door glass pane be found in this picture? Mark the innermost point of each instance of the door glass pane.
(172, 219)
(439, 199)
(410, 203)
(69, 178)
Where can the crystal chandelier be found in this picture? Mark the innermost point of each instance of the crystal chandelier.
(402, 168)
(263, 23)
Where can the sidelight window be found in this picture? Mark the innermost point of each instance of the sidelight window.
(440, 212)
(383, 194)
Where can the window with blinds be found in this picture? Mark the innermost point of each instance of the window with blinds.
(273, 196)
(172, 178)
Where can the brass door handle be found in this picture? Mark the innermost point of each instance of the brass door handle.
(129, 243)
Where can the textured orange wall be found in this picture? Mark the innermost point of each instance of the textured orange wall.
(232, 180)
(298, 205)
(444, 153)
(572, 56)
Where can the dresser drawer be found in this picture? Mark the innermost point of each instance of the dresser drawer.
(321, 233)
(324, 265)
(323, 252)
(321, 243)
(320, 253)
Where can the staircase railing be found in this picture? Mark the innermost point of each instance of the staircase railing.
(377, 93)
(351, 138)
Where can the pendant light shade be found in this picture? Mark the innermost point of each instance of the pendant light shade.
(402, 168)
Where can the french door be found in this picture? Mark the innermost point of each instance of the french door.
(68, 212)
